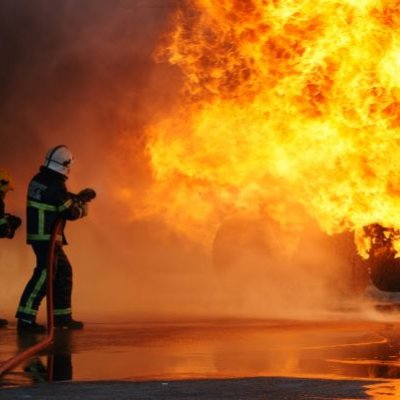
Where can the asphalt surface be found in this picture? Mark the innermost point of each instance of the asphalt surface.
(252, 389)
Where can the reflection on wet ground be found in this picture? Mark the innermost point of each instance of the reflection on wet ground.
(343, 350)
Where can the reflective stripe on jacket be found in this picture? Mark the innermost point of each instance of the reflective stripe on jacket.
(48, 200)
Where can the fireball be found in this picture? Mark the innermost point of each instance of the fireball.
(286, 105)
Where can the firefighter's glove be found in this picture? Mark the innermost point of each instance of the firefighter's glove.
(86, 195)
(14, 223)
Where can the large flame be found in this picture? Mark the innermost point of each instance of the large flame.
(285, 102)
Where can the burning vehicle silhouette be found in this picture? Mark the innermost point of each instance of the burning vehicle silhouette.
(383, 262)
(249, 258)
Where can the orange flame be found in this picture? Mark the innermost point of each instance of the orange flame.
(285, 102)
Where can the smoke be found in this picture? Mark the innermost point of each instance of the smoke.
(82, 73)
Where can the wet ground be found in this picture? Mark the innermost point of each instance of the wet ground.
(341, 359)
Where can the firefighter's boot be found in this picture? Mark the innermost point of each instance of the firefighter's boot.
(30, 327)
(68, 323)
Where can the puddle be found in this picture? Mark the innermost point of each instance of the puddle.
(347, 350)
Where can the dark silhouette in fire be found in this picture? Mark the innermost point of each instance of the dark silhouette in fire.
(383, 265)
(333, 257)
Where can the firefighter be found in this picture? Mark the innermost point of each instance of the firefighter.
(49, 200)
(8, 223)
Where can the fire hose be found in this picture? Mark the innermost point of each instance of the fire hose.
(31, 351)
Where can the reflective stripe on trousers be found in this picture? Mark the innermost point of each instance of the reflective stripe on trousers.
(35, 289)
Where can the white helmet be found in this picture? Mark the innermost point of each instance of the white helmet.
(59, 159)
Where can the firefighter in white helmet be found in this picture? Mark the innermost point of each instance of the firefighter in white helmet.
(8, 223)
(49, 200)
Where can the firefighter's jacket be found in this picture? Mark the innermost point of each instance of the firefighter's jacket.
(8, 223)
(4, 225)
(48, 200)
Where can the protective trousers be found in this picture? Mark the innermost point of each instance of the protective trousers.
(35, 289)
